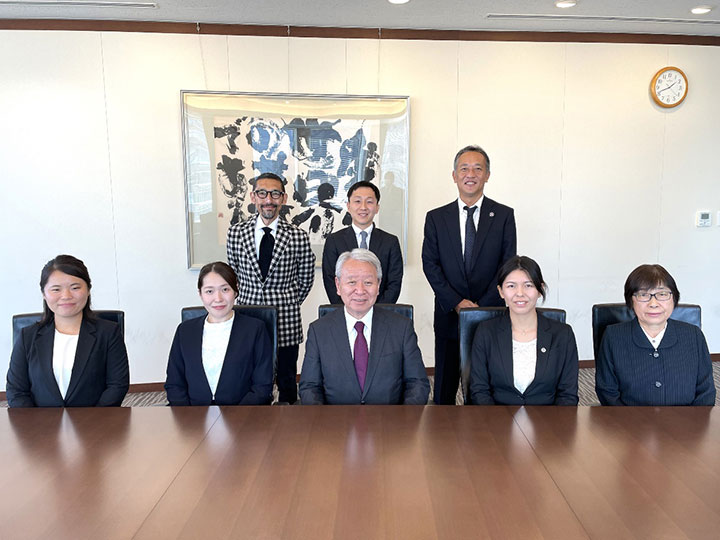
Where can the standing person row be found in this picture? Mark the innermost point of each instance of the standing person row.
(275, 266)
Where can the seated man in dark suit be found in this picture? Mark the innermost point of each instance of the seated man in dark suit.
(362, 354)
(363, 205)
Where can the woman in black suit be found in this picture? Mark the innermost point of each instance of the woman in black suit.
(70, 358)
(521, 357)
(224, 358)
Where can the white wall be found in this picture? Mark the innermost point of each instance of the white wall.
(600, 178)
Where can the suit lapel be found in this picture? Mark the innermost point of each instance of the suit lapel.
(86, 342)
(544, 341)
(194, 346)
(485, 220)
(350, 239)
(247, 241)
(342, 344)
(504, 336)
(377, 341)
(44, 353)
(282, 238)
(452, 225)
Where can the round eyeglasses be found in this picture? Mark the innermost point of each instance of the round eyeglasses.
(263, 193)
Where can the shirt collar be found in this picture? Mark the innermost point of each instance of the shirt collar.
(260, 224)
(358, 230)
(366, 320)
(655, 341)
(478, 204)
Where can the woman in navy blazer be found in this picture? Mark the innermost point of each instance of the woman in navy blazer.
(652, 360)
(70, 358)
(523, 358)
(212, 366)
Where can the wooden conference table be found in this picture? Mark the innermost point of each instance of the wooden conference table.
(360, 472)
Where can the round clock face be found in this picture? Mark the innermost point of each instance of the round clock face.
(669, 87)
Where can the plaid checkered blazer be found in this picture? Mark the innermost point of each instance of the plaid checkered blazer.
(289, 279)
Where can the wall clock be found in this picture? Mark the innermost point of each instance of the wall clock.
(669, 87)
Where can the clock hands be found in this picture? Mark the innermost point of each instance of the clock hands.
(667, 87)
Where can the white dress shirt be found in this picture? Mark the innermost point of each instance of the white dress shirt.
(352, 333)
(524, 361)
(463, 218)
(259, 233)
(358, 230)
(64, 349)
(655, 341)
(216, 337)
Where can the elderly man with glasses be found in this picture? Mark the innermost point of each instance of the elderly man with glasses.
(275, 266)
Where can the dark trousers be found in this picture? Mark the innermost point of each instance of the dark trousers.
(287, 373)
(447, 370)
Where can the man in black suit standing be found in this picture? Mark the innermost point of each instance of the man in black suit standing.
(363, 204)
(465, 243)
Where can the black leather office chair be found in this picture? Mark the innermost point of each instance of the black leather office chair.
(406, 310)
(603, 315)
(469, 319)
(22, 320)
(267, 314)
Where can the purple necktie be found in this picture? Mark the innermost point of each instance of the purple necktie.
(360, 354)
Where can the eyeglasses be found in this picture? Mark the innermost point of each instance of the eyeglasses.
(263, 193)
(659, 296)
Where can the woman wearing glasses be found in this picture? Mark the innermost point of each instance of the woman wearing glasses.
(652, 359)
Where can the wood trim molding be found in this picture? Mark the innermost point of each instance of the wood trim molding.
(86, 25)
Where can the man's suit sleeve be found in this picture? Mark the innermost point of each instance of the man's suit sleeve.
(260, 392)
(330, 257)
(232, 249)
(416, 387)
(393, 274)
(312, 390)
(567, 388)
(705, 387)
(607, 385)
(479, 373)
(306, 267)
(176, 379)
(509, 249)
(18, 381)
(117, 373)
(445, 294)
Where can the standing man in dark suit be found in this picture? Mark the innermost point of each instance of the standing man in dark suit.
(465, 243)
(362, 354)
(275, 266)
(363, 204)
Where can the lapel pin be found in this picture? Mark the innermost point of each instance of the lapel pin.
(543, 349)
(492, 214)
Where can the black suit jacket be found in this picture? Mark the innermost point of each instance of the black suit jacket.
(395, 375)
(556, 371)
(100, 375)
(444, 267)
(387, 248)
(246, 375)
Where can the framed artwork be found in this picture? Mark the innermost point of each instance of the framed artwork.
(320, 144)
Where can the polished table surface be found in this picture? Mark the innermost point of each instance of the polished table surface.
(360, 472)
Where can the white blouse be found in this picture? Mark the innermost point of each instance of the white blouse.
(64, 348)
(524, 361)
(216, 337)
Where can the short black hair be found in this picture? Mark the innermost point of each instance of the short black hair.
(364, 183)
(72, 266)
(471, 148)
(527, 265)
(647, 276)
(271, 176)
(223, 270)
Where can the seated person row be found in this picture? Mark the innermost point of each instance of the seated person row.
(362, 354)
(522, 357)
(224, 358)
(70, 358)
(652, 359)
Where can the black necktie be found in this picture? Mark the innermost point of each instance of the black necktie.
(469, 237)
(266, 248)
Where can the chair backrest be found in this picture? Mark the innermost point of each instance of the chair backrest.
(22, 320)
(603, 315)
(406, 310)
(469, 319)
(267, 314)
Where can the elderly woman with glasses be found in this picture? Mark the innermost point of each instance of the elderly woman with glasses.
(652, 359)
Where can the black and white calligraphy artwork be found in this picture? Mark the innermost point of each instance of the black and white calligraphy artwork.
(319, 158)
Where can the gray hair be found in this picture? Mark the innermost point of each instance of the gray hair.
(359, 254)
(471, 148)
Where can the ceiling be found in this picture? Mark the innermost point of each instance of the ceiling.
(623, 16)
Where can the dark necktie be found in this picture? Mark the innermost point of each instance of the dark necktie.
(469, 237)
(363, 239)
(266, 248)
(360, 354)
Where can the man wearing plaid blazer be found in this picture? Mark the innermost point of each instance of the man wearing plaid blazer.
(275, 266)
